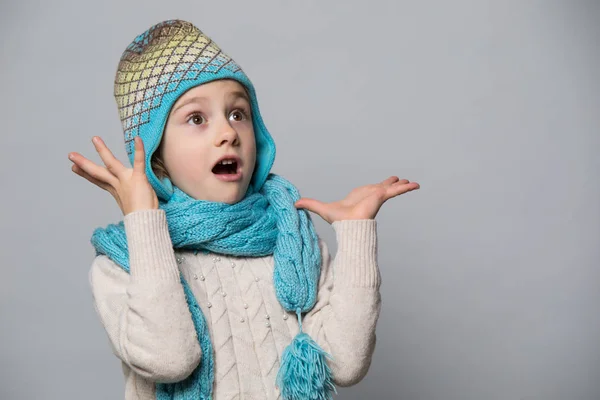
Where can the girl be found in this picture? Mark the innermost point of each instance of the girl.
(215, 284)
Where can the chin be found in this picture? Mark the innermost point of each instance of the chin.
(229, 193)
(230, 199)
(231, 196)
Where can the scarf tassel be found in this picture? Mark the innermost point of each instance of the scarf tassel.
(304, 373)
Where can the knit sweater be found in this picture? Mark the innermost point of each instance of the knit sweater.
(150, 329)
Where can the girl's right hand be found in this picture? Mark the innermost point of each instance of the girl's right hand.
(129, 186)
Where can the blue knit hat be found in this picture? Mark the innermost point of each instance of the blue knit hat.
(158, 67)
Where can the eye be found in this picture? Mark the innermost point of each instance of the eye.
(196, 119)
(239, 115)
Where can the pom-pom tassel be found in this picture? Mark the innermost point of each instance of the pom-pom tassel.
(304, 373)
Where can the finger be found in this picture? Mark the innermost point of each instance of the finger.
(103, 185)
(390, 180)
(401, 182)
(398, 189)
(113, 165)
(139, 155)
(95, 171)
(312, 205)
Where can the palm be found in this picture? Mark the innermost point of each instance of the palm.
(361, 203)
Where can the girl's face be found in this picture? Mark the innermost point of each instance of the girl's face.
(208, 145)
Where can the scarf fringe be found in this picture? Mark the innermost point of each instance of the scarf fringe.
(304, 373)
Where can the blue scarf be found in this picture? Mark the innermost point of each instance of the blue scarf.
(262, 223)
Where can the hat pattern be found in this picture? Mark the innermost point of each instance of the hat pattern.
(156, 63)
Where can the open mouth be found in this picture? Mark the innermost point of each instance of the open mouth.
(226, 167)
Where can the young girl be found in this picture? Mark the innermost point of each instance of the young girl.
(215, 284)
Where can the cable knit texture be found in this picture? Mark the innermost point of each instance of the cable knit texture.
(150, 327)
(260, 224)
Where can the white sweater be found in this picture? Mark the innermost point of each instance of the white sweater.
(150, 329)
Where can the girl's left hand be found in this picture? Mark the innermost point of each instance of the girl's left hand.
(362, 203)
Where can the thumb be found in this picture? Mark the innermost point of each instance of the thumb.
(138, 158)
(313, 205)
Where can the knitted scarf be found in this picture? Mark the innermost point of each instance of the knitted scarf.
(261, 224)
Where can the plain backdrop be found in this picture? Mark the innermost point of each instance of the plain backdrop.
(490, 271)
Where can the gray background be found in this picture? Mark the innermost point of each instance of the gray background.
(490, 270)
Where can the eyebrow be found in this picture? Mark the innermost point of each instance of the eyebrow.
(199, 99)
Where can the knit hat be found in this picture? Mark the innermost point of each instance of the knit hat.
(158, 67)
(155, 70)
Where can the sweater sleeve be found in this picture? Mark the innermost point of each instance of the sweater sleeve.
(344, 318)
(145, 312)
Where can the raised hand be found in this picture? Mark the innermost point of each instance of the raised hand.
(129, 186)
(362, 203)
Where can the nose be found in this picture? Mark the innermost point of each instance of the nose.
(226, 135)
